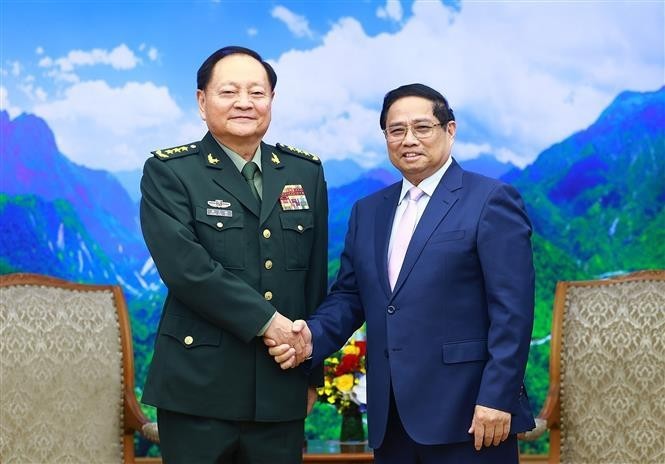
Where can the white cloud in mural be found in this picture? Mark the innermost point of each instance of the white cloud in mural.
(40, 94)
(470, 150)
(6, 105)
(115, 128)
(34, 92)
(522, 83)
(45, 62)
(151, 52)
(121, 58)
(297, 24)
(15, 68)
(392, 11)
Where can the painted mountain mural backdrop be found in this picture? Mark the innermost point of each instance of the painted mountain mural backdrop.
(596, 200)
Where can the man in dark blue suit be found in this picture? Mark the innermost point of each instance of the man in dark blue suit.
(440, 268)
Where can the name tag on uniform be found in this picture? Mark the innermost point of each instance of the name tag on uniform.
(219, 212)
(293, 198)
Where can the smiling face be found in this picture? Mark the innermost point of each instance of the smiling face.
(237, 101)
(416, 158)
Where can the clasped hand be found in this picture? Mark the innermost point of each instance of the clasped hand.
(289, 343)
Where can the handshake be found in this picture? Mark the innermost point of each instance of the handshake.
(290, 343)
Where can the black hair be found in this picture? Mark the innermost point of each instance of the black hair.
(440, 108)
(205, 71)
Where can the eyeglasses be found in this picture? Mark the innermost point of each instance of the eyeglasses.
(420, 130)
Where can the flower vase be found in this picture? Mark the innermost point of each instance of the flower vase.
(352, 434)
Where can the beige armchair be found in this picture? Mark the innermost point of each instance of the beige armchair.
(66, 373)
(606, 400)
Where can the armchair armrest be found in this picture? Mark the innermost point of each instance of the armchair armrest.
(150, 432)
(535, 433)
(548, 418)
(135, 420)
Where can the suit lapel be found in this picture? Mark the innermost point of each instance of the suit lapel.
(385, 214)
(437, 208)
(228, 178)
(274, 179)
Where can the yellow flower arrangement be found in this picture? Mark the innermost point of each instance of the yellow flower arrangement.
(344, 378)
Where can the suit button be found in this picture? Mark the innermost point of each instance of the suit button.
(268, 264)
(266, 233)
(220, 224)
(268, 295)
(188, 340)
(300, 228)
(391, 309)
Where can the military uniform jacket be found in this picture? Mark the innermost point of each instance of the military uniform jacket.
(228, 263)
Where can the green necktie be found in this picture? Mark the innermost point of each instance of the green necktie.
(248, 172)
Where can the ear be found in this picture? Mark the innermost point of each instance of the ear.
(201, 100)
(451, 129)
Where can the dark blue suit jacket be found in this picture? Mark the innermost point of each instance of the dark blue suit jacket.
(455, 331)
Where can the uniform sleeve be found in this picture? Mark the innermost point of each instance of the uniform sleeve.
(317, 277)
(189, 272)
(504, 248)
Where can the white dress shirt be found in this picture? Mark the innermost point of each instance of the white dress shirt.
(428, 186)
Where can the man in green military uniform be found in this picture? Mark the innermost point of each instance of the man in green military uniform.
(238, 231)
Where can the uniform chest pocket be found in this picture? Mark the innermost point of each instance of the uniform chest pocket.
(223, 236)
(298, 231)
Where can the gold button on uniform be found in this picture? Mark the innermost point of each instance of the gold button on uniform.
(300, 227)
(268, 264)
(220, 224)
(188, 340)
(266, 233)
(268, 295)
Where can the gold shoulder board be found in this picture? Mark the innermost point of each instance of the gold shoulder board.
(298, 152)
(166, 154)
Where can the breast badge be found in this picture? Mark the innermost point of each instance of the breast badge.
(293, 198)
(218, 204)
(216, 208)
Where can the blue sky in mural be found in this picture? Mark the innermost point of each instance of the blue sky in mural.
(117, 79)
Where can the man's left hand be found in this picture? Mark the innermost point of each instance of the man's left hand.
(489, 426)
